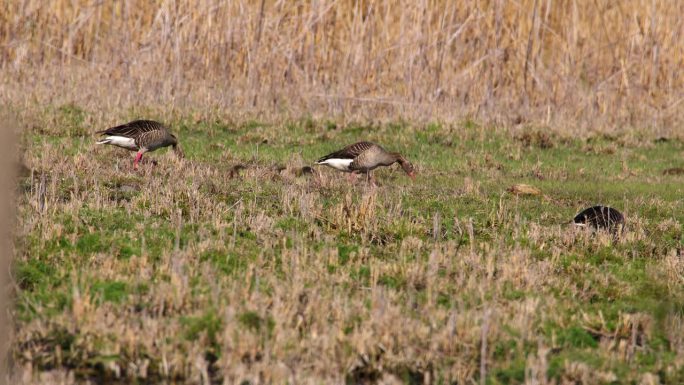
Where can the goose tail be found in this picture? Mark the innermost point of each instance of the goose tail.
(323, 160)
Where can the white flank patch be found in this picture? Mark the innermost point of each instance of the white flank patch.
(338, 164)
(120, 141)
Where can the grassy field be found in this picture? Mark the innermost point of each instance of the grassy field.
(202, 271)
(238, 264)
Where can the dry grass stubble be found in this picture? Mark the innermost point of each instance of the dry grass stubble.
(270, 277)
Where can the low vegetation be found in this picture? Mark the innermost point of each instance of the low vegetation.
(243, 264)
(238, 263)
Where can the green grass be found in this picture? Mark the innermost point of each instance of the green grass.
(268, 262)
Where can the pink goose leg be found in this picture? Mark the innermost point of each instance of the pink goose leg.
(138, 156)
(371, 180)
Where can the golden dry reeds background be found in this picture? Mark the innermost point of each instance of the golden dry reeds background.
(580, 65)
(242, 263)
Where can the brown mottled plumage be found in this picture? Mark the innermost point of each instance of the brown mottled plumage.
(363, 157)
(141, 136)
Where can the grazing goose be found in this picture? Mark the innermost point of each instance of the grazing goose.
(141, 136)
(601, 218)
(363, 157)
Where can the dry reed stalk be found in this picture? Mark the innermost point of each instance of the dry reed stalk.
(583, 64)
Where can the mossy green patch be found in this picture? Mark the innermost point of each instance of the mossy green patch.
(256, 323)
(109, 291)
(208, 323)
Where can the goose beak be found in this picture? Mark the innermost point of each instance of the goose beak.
(412, 175)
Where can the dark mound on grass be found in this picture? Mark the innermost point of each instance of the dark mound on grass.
(601, 218)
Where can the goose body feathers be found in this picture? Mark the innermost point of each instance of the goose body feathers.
(350, 152)
(137, 135)
(364, 157)
(337, 163)
(120, 141)
(141, 136)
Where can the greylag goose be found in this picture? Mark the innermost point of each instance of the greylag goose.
(363, 157)
(601, 218)
(141, 136)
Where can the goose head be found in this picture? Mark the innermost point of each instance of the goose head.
(407, 167)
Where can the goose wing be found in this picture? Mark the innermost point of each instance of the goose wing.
(134, 129)
(349, 152)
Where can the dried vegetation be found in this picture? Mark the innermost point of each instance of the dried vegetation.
(243, 263)
(573, 66)
(192, 272)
